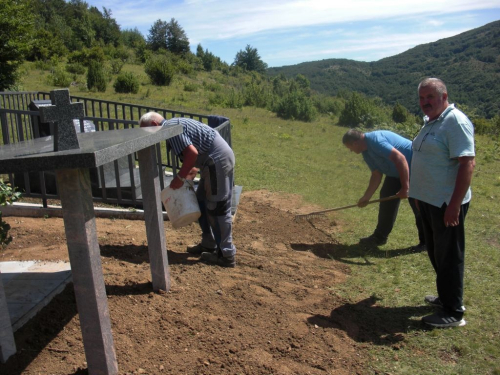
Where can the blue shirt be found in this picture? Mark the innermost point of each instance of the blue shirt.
(436, 150)
(380, 144)
(194, 133)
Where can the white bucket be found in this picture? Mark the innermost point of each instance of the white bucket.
(181, 205)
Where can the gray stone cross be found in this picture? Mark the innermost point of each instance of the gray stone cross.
(62, 113)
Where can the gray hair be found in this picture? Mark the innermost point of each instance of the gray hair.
(436, 83)
(352, 136)
(149, 117)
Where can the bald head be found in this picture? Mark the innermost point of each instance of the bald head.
(151, 119)
(435, 83)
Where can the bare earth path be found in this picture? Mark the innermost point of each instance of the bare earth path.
(275, 313)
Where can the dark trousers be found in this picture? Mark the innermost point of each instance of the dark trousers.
(388, 211)
(446, 249)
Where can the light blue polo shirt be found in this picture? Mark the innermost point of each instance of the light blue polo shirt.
(436, 150)
(380, 144)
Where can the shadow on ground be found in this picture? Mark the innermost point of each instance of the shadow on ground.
(38, 333)
(365, 321)
(139, 254)
(350, 254)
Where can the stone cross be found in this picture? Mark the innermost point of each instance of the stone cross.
(62, 113)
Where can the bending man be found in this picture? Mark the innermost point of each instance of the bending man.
(200, 146)
(385, 153)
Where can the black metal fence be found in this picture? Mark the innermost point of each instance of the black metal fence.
(114, 183)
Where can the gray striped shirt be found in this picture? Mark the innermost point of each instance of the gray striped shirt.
(194, 133)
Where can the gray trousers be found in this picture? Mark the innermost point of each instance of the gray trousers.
(214, 194)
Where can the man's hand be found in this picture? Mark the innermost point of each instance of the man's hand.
(192, 174)
(403, 193)
(451, 216)
(363, 201)
(176, 183)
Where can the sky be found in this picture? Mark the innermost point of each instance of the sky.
(289, 32)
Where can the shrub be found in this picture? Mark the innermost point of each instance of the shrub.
(212, 86)
(184, 67)
(60, 78)
(127, 83)
(256, 94)
(356, 111)
(86, 56)
(43, 64)
(160, 70)
(190, 87)
(483, 126)
(296, 105)
(234, 99)
(7, 196)
(96, 78)
(76, 68)
(116, 65)
(399, 113)
(217, 99)
(328, 104)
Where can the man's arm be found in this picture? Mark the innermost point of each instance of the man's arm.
(462, 183)
(404, 172)
(375, 180)
(189, 156)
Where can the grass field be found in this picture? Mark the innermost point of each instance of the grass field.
(309, 159)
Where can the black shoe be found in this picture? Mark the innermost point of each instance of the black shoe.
(433, 300)
(216, 258)
(198, 249)
(372, 241)
(442, 319)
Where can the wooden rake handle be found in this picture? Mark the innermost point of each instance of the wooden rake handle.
(392, 197)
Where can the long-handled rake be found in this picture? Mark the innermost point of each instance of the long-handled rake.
(318, 213)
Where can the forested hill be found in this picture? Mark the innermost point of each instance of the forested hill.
(469, 63)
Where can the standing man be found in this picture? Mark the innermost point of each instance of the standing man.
(442, 167)
(385, 153)
(200, 146)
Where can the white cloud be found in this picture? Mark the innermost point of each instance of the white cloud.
(221, 19)
(291, 31)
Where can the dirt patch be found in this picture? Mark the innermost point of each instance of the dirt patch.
(275, 313)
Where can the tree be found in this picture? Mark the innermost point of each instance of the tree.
(81, 23)
(177, 40)
(45, 45)
(169, 36)
(96, 78)
(106, 28)
(157, 37)
(249, 59)
(199, 51)
(132, 38)
(16, 25)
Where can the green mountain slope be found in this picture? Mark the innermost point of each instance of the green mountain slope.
(469, 63)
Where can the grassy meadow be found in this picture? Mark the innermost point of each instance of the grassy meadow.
(309, 159)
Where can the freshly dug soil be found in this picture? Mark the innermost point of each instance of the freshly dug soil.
(277, 312)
